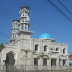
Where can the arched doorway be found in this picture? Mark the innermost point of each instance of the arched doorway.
(10, 58)
(9, 62)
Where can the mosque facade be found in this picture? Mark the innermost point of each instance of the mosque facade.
(54, 54)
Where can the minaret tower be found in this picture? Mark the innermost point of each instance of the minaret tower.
(14, 30)
(24, 22)
(24, 19)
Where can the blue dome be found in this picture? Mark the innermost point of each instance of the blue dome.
(45, 36)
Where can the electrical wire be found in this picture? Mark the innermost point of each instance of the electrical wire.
(59, 10)
(64, 7)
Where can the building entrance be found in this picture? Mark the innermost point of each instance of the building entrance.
(9, 62)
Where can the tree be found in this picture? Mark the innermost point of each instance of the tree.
(1, 47)
(6, 43)
(26, 52)
(42, 56)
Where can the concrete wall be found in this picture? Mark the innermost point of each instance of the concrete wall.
(29, 43)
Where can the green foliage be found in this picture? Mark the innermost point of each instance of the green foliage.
(1, 47)
(6, 43)
(41, 56)
(26, 51)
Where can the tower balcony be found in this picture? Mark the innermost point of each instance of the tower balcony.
(13, 32)
(15, 28)
(15, 23)
(25, 22)
(23, 17)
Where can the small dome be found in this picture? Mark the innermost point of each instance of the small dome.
(45, 36)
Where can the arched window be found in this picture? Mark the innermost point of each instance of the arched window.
(64, 50)
(36, 47)
(45, 48)
(57, 49)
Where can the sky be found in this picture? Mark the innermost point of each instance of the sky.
(44, 19)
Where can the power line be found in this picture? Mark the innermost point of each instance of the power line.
(3, 35)
(64, 7)
(59, 10)
(7, 11)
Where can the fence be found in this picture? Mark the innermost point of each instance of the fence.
(22, 68)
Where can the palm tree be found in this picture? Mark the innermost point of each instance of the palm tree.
(42, 56)
(26, 52)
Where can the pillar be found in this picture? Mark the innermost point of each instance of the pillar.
(49, 62)
(57, 63)
(24, 26)
(20, 27)
(27, 27)
(38, 49)
(47, 50)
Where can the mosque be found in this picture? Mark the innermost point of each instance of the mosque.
(13, 53)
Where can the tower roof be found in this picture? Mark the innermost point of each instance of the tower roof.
(25, 7)
(16, 20)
